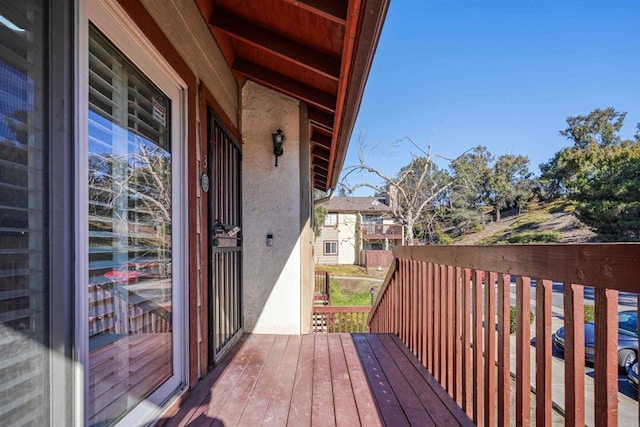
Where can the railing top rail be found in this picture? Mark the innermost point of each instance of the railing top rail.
(610, 265)
(338, 309)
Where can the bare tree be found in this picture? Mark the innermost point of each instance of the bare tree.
(414, 195)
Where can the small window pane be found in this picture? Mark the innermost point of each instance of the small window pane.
(331, 248)
(331, 220)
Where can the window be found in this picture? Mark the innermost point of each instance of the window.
(331, 220)
(24, 283)
(372, 219)
(330, 247)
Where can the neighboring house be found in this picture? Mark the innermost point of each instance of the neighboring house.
(353, 226)
(145, 219)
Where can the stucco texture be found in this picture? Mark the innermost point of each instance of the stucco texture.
(271, 205)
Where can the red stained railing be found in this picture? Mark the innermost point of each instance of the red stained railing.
(436, 299)
(340, 319)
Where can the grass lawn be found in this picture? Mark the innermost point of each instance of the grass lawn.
(348, 296)
(352, 292)
(352, 270)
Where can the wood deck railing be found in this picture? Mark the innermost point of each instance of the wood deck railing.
(437, 301)
(340, 319)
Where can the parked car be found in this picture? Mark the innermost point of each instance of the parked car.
(627, 339)
(632, 374)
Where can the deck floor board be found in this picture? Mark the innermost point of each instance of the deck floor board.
(318, 380)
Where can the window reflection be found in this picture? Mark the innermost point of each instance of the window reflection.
(130, 230)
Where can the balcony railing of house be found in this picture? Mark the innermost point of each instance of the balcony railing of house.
(381, 231)
(450, 305)
(331, 319)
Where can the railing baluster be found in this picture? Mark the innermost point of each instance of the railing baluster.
(419, 324)
(478, 383)
(457, 347)
(606, 360)
(543, 352)
(415, 303)
(504, 341)
(490, 349)
(450, 333)
(467, 380)
(436, 321)
(523, 352)
(430, 327)
(443, 326)
(424, 322)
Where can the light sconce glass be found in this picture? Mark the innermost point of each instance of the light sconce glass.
(278, 142)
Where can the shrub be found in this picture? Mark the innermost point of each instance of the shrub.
(513, 316)
(444, 238)
(522, 237)
(589, 313)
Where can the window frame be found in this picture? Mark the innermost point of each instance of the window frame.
(330, 215)
(324, 247)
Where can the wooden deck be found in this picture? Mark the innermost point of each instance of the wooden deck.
(319, 380)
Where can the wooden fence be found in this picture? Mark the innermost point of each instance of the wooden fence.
(450, 306)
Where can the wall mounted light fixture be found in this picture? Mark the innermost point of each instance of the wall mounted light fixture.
(278, 142)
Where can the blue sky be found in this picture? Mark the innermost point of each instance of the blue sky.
(501, 73)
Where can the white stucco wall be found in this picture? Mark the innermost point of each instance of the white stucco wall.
(271, 205)
(347, 238)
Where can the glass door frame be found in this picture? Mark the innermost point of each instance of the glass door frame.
(114, 22)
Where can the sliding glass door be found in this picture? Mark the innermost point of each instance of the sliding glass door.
(134, 251)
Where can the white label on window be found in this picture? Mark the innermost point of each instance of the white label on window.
(159, 112)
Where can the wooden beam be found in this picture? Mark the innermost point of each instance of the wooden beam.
(283, 47)
(322, 167)
(320, 119)
(334, 10)
(320, 176)
(321, 139)
(311, 95)
(323, 163)
(318, 151)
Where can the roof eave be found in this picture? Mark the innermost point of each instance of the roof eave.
(372, 18)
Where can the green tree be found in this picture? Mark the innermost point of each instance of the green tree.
(589, 134)
(471, 171)
(601, 172)
(509, 185)
(609, 200)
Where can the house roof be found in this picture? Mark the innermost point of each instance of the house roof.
(317, 51)
(363, 205)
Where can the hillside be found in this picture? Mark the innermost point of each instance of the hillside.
(549, 223)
